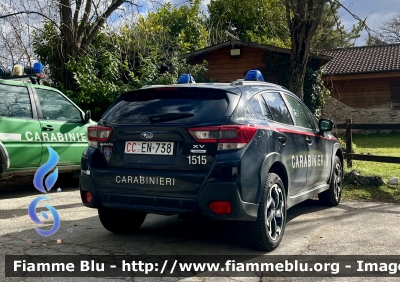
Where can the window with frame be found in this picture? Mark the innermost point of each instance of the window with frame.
(395, 95)
(15, 101)
(278, 108)
(253, 109)
(301, 115)
(265, 109)
(56, 107)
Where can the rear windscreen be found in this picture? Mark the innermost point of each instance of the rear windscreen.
(169, 105)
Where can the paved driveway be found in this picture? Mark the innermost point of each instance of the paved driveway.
(352, 228)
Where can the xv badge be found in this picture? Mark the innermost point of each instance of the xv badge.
(198, 146)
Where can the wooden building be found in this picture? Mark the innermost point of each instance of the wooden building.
(366, 77)
(231, 60)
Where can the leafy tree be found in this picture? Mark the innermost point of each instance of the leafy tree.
(387, 33)
(331, 32)
(303, 18)
(142, 52)
(104, 72)
(375, 40)
(74, 23)
(301, 25)
(179, 27)
(260, 21)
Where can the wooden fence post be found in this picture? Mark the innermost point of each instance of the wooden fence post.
(349, 141)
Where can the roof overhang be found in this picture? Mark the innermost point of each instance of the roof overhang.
(360, 75)
(236, 43)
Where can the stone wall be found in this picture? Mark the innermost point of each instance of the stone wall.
(339, 112)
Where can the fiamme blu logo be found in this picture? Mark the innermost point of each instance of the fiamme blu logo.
(49, 183)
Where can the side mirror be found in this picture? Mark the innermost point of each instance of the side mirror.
(88, 116)
(325, 125)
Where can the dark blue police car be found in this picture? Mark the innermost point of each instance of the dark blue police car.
(246, 151)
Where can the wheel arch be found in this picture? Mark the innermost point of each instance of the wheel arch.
(280, 170)
(337, 151)
(4, 158)
(274, 163)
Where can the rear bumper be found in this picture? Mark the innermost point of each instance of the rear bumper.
(213, 191)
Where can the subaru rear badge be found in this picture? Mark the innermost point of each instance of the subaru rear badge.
(146, 135)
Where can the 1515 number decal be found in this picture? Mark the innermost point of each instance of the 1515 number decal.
(197, 159)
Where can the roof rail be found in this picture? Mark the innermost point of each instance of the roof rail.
(32, 78)
(261, 83)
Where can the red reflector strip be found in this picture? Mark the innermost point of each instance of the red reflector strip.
(221, 207)
(88, 197)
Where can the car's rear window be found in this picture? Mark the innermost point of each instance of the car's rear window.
(169, 105)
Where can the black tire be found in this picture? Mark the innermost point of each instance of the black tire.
(267, 231)
(121, 221)
(332, 196)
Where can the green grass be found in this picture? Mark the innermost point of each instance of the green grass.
(382, 145)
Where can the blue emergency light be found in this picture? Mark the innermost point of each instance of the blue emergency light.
(254, 75)
(37, 68)
(186, 78)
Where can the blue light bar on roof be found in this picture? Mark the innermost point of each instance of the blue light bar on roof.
(186, 78)
(37, 67)
(254, 75)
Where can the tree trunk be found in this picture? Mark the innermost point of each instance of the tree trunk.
(303, 18)
(298, 62)
(77, 35)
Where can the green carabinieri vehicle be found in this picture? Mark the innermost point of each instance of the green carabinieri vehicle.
(34, 117)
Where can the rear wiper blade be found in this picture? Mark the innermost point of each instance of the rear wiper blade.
(169, 117)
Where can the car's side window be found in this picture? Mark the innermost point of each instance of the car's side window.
(301, 115)
(56, 107)
(279, 110)
(265, 108)
(248, 113)
(254, 108)
(15, 101)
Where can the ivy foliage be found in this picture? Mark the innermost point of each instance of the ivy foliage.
(315, 93)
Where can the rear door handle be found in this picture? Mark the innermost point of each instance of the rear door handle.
(282, 139)
(48, 128)
(309, 140)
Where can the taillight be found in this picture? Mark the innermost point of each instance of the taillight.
(227, 136)
(98, 134)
